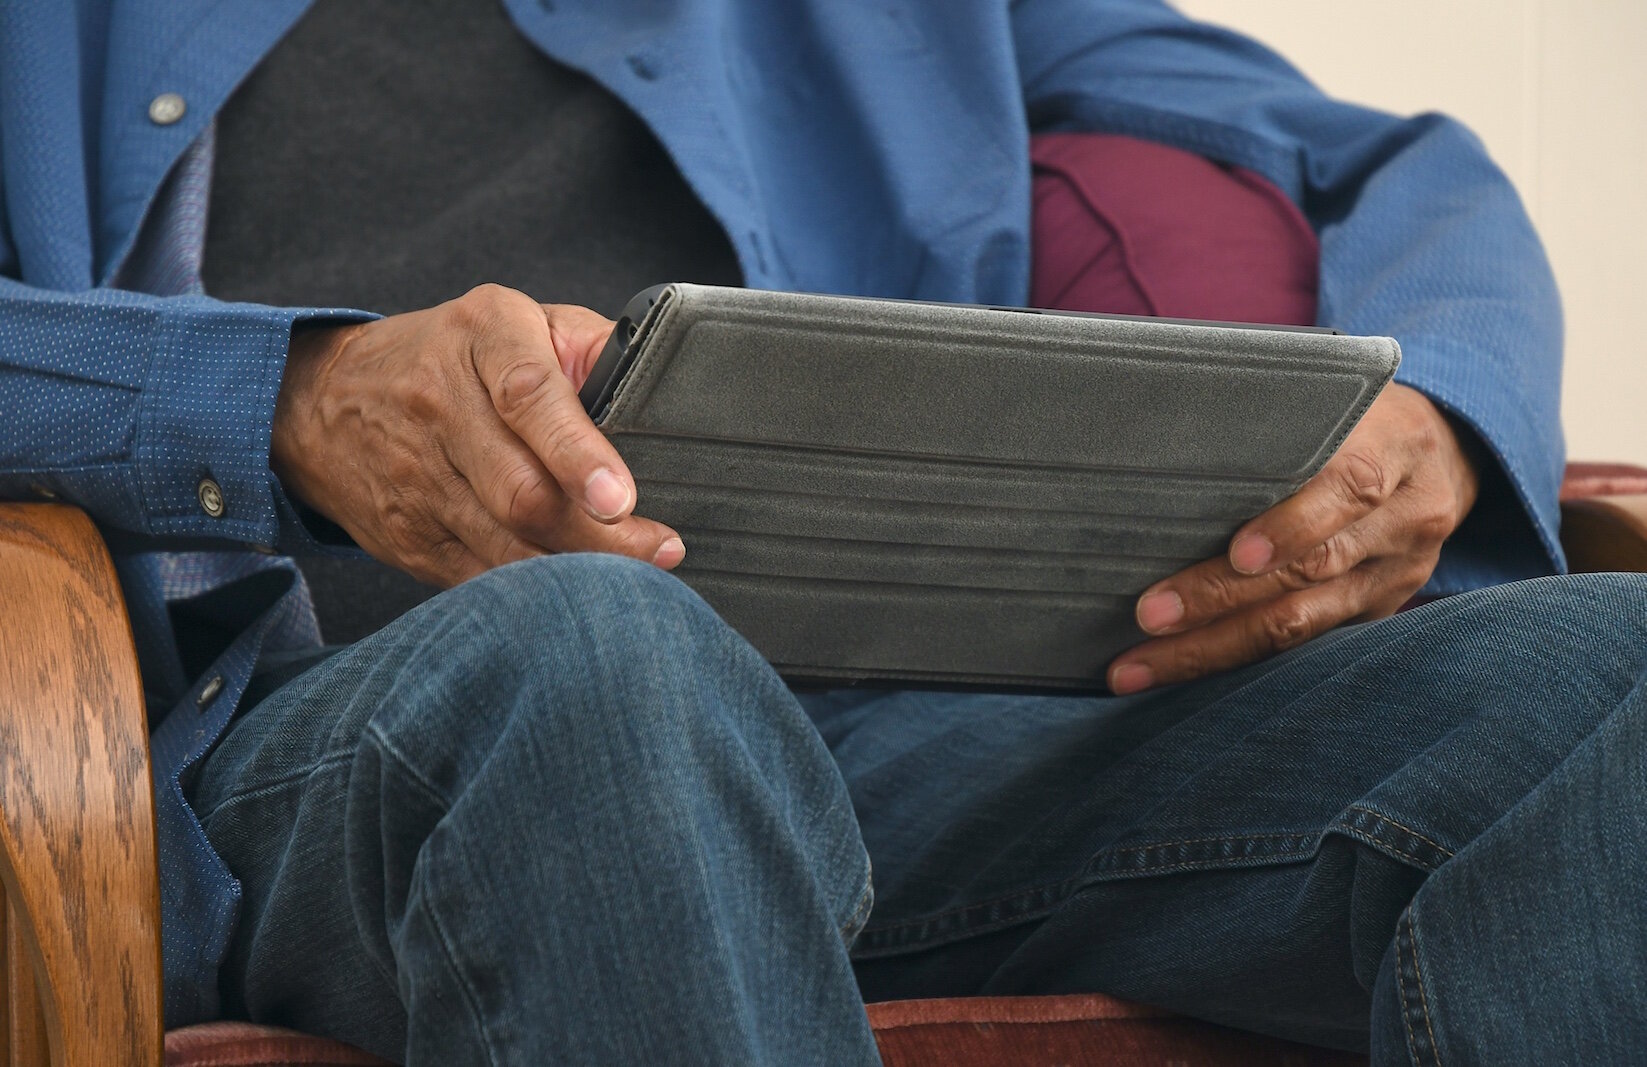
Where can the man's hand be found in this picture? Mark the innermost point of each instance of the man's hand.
(1355, 543)
(451, 440)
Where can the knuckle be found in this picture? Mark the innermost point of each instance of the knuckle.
(562, 437)
(1433, 527)
(1189, 660)
(521, 384)
(1286, 626)
(1219, 592)
(526, 499)
(1316, 565)
(1364, 481)
(1418, 572)
(629, 539)
(483, 310)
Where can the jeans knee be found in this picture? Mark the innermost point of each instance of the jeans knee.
(1572, 636)
(611, 608)
(574, 658)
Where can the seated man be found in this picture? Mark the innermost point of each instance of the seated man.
(560, 812)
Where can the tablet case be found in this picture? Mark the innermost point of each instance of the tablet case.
(930, 494)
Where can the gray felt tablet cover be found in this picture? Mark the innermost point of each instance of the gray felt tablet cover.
(936, 494)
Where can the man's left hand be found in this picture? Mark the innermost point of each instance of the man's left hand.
(1355, 543)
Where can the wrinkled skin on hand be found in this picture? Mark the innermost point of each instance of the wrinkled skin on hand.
(451, 440)
(1355, 543)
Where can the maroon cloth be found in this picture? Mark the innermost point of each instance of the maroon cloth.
(229, 1044)
(1603, 479)
(1072, 1031)
(1134, 228)
(1078, 1031)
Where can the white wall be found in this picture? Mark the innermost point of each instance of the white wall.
(1558, 91)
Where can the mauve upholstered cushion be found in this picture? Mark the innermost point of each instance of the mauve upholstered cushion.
(228, 1044)
(1134, 228)
(1072, 1031)
(1603, 479)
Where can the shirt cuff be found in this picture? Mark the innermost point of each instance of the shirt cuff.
(202, 437)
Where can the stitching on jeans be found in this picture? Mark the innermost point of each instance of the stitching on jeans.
(1405, 999)
(469, 996)
(1423, 997)
(388, 749)
(281, 782)
(1438, 846)
(854, 922)
(1198, 865)
(1203, 841)
(1440, 613)
(1061, 889)
(1388, 846)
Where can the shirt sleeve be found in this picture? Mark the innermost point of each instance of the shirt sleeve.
(128, 405)
(1422, 237)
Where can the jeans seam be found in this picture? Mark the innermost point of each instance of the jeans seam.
(388, 749)
(1199, 841)
(470, 998)
(1380, 816)
(854, 924)
(265, 788)
(1063, 888)
(1413, 1006)
(1053, 892)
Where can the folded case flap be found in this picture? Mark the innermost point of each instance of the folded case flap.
(932, 493)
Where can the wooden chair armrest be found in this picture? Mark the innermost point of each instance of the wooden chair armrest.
(1605, 533)
(80, 957)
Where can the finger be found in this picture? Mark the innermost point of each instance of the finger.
(1213, 588)
(515, 358)
(1349, 488)
(579, 336)
(443, 563)
(514, 489)
(509, 480)
(1246, 637)
(635, 536)
(482, 534)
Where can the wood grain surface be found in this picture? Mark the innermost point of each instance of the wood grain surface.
(1605, 533)
(77, 839)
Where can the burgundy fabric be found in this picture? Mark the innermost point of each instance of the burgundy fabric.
(1077, 1031)
(227, 1044)
(1603, 479)
(1134, 228)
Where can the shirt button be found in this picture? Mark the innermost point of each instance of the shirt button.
(208, 693)
(166, 109)
(211, 498)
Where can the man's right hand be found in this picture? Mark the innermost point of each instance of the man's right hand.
(451, 440)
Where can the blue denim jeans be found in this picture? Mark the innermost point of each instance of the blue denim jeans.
(563, 814)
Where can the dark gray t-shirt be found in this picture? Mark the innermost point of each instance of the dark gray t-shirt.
(390, 155)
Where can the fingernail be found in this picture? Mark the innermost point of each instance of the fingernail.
(607, 495)
(1157, 611)
(1131, 678)
(670, 554)
(1251, 553)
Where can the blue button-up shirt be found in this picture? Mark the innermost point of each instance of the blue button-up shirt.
(876, 147)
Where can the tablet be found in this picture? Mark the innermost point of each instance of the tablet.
(908, 493)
